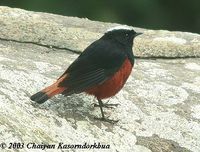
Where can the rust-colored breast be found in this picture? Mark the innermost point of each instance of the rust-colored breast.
(113, 85)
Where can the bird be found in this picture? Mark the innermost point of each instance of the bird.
(100, 70)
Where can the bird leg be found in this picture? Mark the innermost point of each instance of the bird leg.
(106, 105)
(101, 105)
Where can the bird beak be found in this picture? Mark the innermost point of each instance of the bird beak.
(138, 34)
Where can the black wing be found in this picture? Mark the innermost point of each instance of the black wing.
(95, 65)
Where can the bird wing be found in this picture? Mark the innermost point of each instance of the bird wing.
(94, 66)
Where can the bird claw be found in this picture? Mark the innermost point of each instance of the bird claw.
(106, 120)
(105, 105)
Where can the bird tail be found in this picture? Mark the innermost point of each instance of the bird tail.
(48, 92)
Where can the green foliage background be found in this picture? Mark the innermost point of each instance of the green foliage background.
(180, 15)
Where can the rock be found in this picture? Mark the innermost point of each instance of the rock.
(156, 144)
(159, 105)
(64, 32)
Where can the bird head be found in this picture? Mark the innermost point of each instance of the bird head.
(122, 34)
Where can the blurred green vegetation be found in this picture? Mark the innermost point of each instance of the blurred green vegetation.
(178, 15)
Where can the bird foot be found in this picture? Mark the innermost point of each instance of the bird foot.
(106, 120)
(105, 105)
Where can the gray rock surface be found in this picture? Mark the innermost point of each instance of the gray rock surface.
(159, 106)
(64, 32)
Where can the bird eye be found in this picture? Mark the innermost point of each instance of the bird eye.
(127, 34)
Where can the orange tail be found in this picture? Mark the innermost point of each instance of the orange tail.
(47, 93)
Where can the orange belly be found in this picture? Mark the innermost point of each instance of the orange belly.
(113, 85)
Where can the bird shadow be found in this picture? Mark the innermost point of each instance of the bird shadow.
(75, 108)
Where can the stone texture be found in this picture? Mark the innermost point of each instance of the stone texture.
(168, 44)
(156, 144)
(159, 105)
(64, 32)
